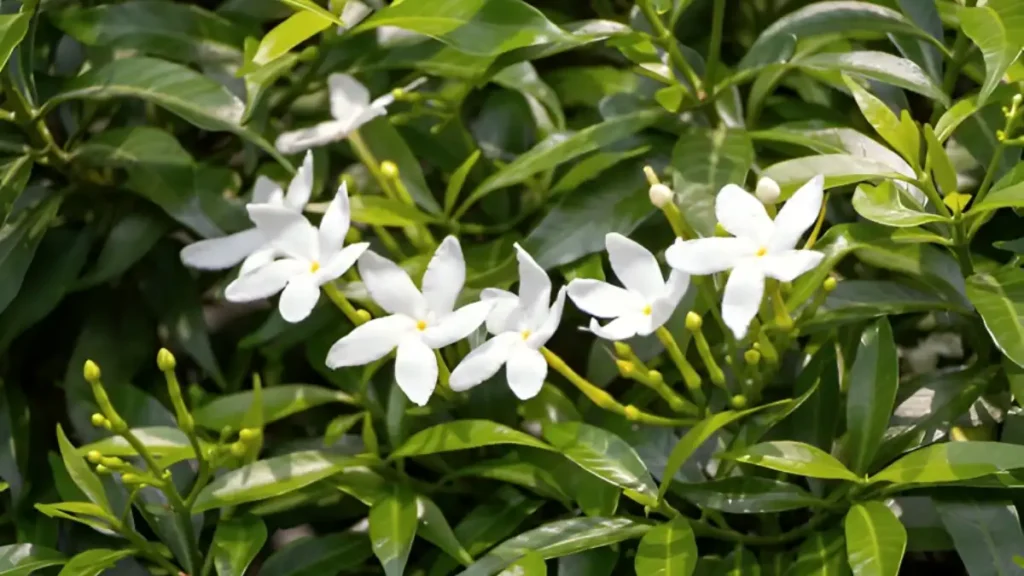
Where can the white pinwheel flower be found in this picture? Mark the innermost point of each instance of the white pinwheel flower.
(521, 333)
(646, 302)
(419, 322)
(311, 257)
(250, 246)
(350, 108)
(760, 248)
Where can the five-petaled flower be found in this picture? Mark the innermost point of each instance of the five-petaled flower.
(311, 257)
(522, 324)
(419, 323)
(250, 246)
(760, 248)
(350, 108)
(646, 302)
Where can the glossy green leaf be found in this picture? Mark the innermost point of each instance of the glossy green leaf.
(592, 167)
(160, 441)
(1006, 197)
(14, 175)
(952, 462)
(857, 300)
(385, 143)
(879, 66)
(795, 458)
(458, 180)
(259, 81)
(521, 472)
(987, 535)
(999, 298)
(871, 392)
(312, 6)
(596, 562)
(272, 477)
(19, 239)
(93, 562)
(942, 167)
(463, 435)
(434, 527)
(996, 28)
(278, 402)
(319, 555)
(13, 28)
(823, 553)
(81, 473)
(393, 528)
(838, 170)
(236, 542)
(23, 559)
(903, 137)
(531, 564)
(487, 27)
(668, 549)
(886, 204)
(747, 495)
(705, 161)
(875, 540)
(603, 454)
(298, 28)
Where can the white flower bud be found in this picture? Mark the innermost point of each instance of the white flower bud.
(660, 195)
(767, 191)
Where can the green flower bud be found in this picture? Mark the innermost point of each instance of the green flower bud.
(623, 350)
(165, 360)
(738, 401)
(98, 420)
(829, 284)
(363, 315)
(238, 449)
(112, 462)
(693, 321)
(94, 456)
(101, 469)
(632, 413)
(625, 367)
(752, 357)
(389, 169)
(248, 434)
(130, 478)
(655, 376)
(91, 372)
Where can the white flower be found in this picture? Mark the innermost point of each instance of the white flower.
(419, 322)
(761, 248)
(350, 107)
(767, 190)
(520, 333)
(647, 300)
(312, 257)
(250, 246)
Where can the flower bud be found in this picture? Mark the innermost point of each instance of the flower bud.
(165, 360)
(660, 195)
(130, 478)
(676, 404)
(112, 462)
(767, 190)
(655, 376)
(101, 469)
(363, 315)
(829, 284)
(398, 93)
(752, 357)
(389, 169)
(1017, 99)
(94, 456)
(632, 413)
(238, 449)
(693, 321)
(91, 372)
(623, 350)
(248, 434)
(738, 401)
(625, 367)
(98, 420)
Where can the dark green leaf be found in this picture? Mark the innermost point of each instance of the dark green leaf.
(879, 66)
(603, 454)
(952, 462)
(162, 442)
(13, 28)
(518, 471)
(14, 175)
(434, 527)
(795, 458)
(385, 143)
(999, 298)
(278, 402)
(704, 161)
(393, 528)
(531, 564)
(591, 167)
(856, 300)
(23, 559)
(318, 556)
(596, 562)
(458, 180)
(986, 535)
(875, 540)
(838, 170)
(236, 542)
(872, 386)
(259, 81)
(997, 29)
(669, 549)
(463, 435)
(129, 240)
(19, 239)
(821, 554)
(747, 495)
(886, 204)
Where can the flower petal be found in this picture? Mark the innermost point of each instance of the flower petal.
(301, 140)
(662, 309)
(708, 255)
(445, 275)
(602, 299)
(743, 215)
(340, 263)
(457, 325)
(743, 294)
(301, 186)
(634, 266)
(621, 328)
(390, 286)
(543, 332)
(786, 266)
(335, 223)
(257, 260)
(286, 230)
(483, 362)
(263, 282)
(370, 342)
(265, 190)
(534, 288)
(505, 303)
(224, 252)
(526, 370)
(299, 298)
(798, 214)
(348, 96)
(416, 370)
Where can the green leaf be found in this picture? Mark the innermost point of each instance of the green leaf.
(596, 562)
(19, 239)
(1006, 197)
(384, 211)
(13, 28)
(318, 556)
(278, 402)
(986, 535)
(954, 116)
(176, 88)
(838, 170)
(384, 142)
(857, 300)
(879, 66)
(875, 540)
(903, 137)
(14, 175)
(669, 549)
(591, 167)
(487, 27)
(872, 386)
(272, 477)
(513, 469)
(393, 528)
(997, 29)
(259, 81)
(559, 538)
(884, 204)
(704, 161)
(23, 559)
(558, 149)
(81, 473)
(795, 458)
(94, 562)
(999, 298)
(531, 564)
(311, 6)
(747, 495)
(942, 167)
(434, 527)
(458, 180)
(132, 236)
(603, 454)
(464, 435)
(952, 462)
(298, 28)
(236, 542)
(162, 442)
(821, 554)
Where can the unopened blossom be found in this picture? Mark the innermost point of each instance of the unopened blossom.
(520, 334)
(646, 302)
(351, 107)
(250, 246)
(761, 248)
(419, 322)
(310, 257)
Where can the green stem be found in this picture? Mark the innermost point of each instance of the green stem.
(715, 48)
(146, 550)
(664, 38)
(690, 376)
(342, 303)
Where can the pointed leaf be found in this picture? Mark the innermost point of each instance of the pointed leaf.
(875, 540)
(236, 542)
(278, 402)
(1005, 197)
(329, 554)
(748, 495)
(393, 528)
(531, 564)
(996, 28)
(879, 66)
(795, 458)
(93, 562)
(603, 454)
(952, 462)
(669, 549)
(942, 167)
(463, 435)
(458, 179)
(872, 386)
(81, 473)
(986, 535)
(821, 554)
(23, 559)
(886, 204)
(838, 170)
(999, 298)
(434, 527)
(903, 138)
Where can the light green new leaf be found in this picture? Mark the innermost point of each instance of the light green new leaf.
(795, 458)
(162, 442)
(871, 392)
(23, 559)
(987, 535)
(603, 454)
(998, 30)
(902, 136)
(94, 562)
(1006, 197)
(821, 554)
(312, 6)
(952, 462)
(885, 204)
(669, 549)
(384, 211)
(298, 28)
(463, 435)
(999, 298)
(12, 31)
(875, 540)
(879, 66)
(954, 116)
(236, 542)
(278, 402)
(942, 167)
(838, 170)
(393, 528)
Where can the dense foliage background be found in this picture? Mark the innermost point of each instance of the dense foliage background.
(883, 432)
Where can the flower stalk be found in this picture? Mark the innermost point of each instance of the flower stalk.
(690, 376)
(694, 323)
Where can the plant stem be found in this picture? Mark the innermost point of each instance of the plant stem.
(664, 38)
(715, 48)
(342, 303)
(690, 376)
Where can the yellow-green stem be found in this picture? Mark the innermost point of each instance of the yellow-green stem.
(342, 303)
(690, 376)
(704, 349)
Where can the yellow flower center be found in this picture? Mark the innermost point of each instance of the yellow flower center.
(525, 334)
(421, 325)
(314, 266)
(762, 251)
(647, 310)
